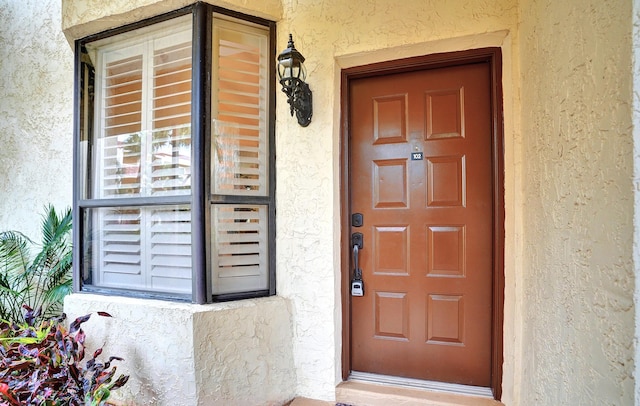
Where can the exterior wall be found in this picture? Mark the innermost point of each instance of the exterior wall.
(36, 105)
(636, 182)
(84, 17)
(234, 354)
(333, 35)
(245, 349)
(569, 269)
(578, 271)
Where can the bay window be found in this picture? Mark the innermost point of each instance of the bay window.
(174, 154)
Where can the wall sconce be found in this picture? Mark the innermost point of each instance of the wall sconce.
(292, 74)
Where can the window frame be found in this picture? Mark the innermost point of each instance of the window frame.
(201, 199)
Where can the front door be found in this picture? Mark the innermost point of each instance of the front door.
(420, 156)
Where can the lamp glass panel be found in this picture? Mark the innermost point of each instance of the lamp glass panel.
(284, 68)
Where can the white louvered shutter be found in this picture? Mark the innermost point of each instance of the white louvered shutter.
(171, 117)
(240, 156)
(122, 122)
(240, 244)
(169, 249)
(144, 150)
(119, 244)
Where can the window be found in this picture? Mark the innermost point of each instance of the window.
(174, 185)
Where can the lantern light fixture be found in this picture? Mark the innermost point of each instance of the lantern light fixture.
(292, 74)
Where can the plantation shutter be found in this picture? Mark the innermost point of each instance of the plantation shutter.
(241, 248)
(170, 229)
(119, 158)
(144, 150)
(240, 110)
(122, 122)
(120, 247)
(171, 116)
(240, 157)
(169, 249)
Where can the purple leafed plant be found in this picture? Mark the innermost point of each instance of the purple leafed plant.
(43, 365)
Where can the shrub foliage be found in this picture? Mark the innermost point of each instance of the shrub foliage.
(44, 364)
(39, 279)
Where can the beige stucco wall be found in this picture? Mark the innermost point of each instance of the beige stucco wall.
(36, 104)
(636, 181)
(84, 17)
(233, 354)
(569, 315)
(333, 35)
(578, 218)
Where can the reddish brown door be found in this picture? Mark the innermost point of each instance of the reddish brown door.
(420, 159)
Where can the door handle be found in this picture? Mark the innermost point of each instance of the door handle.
(357, 284)
(357, 272)
(357, 241)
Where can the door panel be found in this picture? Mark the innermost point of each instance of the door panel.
(420, 173)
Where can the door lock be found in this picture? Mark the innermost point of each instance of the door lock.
(357, 220)
(357, 288)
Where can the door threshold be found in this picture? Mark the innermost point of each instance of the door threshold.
(382, 390)
(420, 384)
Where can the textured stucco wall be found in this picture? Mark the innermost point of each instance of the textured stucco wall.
(578, 218)
(569, 299)
(83, 17)
(233, 354)
(571, 80)
(36, 101)
(636, 182)
(154, 338)
(245, 349)
(331, 34)
(334, 34)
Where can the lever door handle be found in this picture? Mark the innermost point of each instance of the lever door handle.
(357, 272)
(357, 241)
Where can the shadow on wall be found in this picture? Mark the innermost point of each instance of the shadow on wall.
(145, 381)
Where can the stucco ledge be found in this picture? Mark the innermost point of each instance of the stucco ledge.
(81, 18)
(180, 353)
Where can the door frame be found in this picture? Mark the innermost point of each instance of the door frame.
(493, 56)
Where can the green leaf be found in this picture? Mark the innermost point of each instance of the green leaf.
(41, 281)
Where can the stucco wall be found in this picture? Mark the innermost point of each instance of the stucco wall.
(233, 354)
(36, 101)
(308, 244)
(84, 17)
(578, 218)
(636, 182)
(576, 277)
(334, 34)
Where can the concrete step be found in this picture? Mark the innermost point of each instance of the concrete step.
(354, 393)
(369, 394)
(310, 402)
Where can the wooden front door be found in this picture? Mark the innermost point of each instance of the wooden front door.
(420, 156)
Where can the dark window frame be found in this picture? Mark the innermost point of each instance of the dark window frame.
(200, 200)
